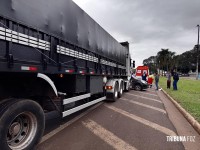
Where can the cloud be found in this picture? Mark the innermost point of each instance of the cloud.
(148, 25)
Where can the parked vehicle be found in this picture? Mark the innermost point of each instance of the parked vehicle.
(183, 74)
(54, 61)
(138, 84)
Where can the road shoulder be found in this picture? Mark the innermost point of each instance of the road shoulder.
(182, 126)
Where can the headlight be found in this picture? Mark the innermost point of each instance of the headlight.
(143, 81)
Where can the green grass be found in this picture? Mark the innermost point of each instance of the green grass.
(187, 95)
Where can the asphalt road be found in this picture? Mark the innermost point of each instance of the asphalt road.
(137, 121)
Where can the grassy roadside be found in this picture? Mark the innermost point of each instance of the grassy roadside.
(187, 95)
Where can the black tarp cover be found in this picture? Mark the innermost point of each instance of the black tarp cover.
(64, 19)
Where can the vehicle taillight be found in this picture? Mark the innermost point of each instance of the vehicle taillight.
(28, 68)
(69, 71)
(109, 87)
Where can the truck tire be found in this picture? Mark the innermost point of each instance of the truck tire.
(22, 124)
(120, 91)
(127, 86)
(115, 93)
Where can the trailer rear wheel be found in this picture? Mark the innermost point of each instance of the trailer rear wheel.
(127, 86)
(22, 124)
(115, 93)
(120, 91)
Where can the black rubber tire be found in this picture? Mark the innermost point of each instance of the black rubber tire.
(14, 108)
(138, 87)
(129, 86)
(125, 87)
(120, 93)
(115, 94)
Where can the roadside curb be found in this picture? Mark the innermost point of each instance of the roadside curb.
(189, 118)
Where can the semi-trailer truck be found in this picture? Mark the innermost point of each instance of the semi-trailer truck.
(55, 60)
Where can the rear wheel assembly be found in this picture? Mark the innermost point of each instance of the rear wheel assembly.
(22, 124)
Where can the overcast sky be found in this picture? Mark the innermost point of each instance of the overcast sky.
(148, 25)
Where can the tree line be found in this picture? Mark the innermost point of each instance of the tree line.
(167, 60)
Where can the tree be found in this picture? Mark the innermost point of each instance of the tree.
(151, 63)
(167, 61)
(187, 61)
(164, 59)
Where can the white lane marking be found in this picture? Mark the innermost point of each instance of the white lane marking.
(143, 121)
(107, 136)
(54, 132)
(144, 97)
(144, 105)
(152, 90)
(146, 93)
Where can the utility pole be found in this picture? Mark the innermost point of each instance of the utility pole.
(197, 76)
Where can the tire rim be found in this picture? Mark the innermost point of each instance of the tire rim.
(21, 131)
(121, 91)
(129, 86)
(137, 87)
(116, 93)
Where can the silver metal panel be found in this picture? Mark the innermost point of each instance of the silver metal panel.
(32, 45)
(2, 29)
(8, 31)
(24, 43)
(8, 34)
(76, 54)
(32, 38)
(33, 42)
(2, 33)
(8, 39)
(42, 41)
(73, 110)
(2, 37)
(23, 35)
(42, 44)
(77, 98)
(61, 48)
(14, 33)
(46, 78)
(87, 57)
(62, 53)
(47, 46)
(41, 47)
(13, 36)
(14, 40)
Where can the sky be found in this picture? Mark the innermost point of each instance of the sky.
(148, 25)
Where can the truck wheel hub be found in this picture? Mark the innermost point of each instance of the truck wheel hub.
(21, 131)
(121, 91)
(15, 128)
